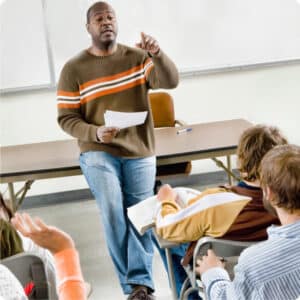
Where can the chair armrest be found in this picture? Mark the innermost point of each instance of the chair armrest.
(180, 123)
(224, 248)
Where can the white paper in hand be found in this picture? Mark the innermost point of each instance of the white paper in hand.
(123, 119)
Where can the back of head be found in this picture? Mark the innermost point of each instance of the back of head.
(254, 143)
(280, 171)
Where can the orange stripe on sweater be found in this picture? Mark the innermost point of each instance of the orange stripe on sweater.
(113, 90)
(112, 77)
(65, 105)
(68, 94)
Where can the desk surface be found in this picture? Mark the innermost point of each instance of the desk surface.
(48, 159)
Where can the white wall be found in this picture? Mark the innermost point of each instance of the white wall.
(270, 96)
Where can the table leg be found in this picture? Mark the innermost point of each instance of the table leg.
(12, 197)
(171, 274)
(227, 169)
(228, 157)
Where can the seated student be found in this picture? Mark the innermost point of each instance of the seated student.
(240, 220)
(270, 269)
(12, 242)
(70, 280)
(244, 219)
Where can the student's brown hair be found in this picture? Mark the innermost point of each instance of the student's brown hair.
(254, 143)
(280, 171)
(5, 208)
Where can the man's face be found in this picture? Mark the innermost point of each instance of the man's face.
(102, 25)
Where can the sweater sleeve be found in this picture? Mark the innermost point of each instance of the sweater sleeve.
(176, 225)
(70, 279)
(162, 73)
(69, 108)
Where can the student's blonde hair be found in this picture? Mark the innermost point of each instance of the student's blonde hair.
(254, 143)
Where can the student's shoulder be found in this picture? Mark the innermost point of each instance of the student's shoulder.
(257, 253)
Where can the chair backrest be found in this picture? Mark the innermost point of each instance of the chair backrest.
(162, 109)
(28, 267)
(163, 114)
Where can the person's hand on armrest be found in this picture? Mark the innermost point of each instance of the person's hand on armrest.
(49, 237)
(208, 262)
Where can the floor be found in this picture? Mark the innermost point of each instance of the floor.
(81, 220)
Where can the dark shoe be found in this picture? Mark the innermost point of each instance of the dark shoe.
(140, 292)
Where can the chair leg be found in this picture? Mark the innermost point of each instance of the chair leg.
(184, 287)
(186, 294)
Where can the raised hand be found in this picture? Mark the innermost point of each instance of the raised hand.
(49, 237)
(149, 44)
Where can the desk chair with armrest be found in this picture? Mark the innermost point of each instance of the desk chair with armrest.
(227, 249)
(162, 107)
(30, 268)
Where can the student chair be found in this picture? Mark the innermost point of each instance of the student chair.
(227, 249)
(162, 107)
(29, 268)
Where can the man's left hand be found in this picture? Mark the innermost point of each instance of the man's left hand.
(208, 261)
(149, 44)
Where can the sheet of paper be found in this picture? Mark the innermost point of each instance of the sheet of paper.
(123, 119)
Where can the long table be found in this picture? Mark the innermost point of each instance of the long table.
(30, 162)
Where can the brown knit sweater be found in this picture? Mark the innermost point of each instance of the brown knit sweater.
(89, 85)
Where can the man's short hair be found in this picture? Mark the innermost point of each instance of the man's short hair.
(92, 7)
(280, 171)
(254, 143)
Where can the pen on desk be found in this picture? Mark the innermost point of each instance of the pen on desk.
(184, 130)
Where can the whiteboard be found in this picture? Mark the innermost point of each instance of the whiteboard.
(196, 34)
(23, 49)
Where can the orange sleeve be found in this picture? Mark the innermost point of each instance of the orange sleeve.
(70, 280)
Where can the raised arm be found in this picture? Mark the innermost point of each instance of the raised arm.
(163, 73)
(60, 244)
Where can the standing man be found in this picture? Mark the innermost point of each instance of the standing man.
(270, 269)
(119, 165)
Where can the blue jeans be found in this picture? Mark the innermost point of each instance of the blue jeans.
(118, 183)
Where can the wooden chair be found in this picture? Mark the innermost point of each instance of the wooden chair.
(162, 107)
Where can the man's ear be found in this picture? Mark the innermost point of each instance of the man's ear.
(267, 200)
(269, 194)
(87, 26)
